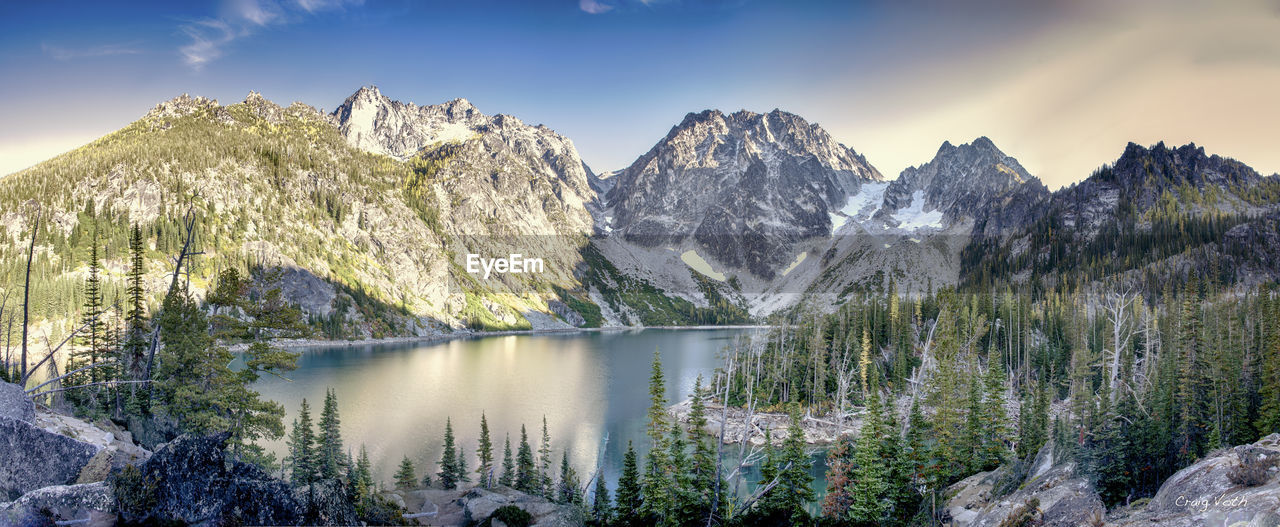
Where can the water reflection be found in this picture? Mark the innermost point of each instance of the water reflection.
(394, 399)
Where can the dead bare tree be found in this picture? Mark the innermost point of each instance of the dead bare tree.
(189, 223)
(1118, 314)
(26, 295)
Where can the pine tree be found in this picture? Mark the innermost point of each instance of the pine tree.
(1268, 421)
(405, 476)
(461, 466)
(656, 491)
(360, 478)
(790, 466)
(135, 347)
(485, 452)
(868, 504)
(508, 477)
(840, 467)
(545, 486)
(703, 462)
(527, 478)
(449, 459)
(302, 449)
(600, 509)
(972, 451)
(567, 491)
(628, 505)
(330, 438)
(996, 434)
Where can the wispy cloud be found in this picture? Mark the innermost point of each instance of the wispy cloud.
(239, 19)
(102, 50)
(594, 7)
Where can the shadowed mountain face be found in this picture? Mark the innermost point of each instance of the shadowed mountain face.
(745, 186)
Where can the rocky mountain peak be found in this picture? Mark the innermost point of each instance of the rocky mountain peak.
(965, 181)
(722, 179)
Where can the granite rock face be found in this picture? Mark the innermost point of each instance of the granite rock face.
(1205, 493)
(188, 481)
(90, 504)
(1055, 494)
(479, 504)
(31, 458)
(15, 404)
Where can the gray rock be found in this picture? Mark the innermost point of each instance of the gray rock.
(31, 458)
(15, 404)
(60, 503)
(1203, 493)
(565, 312)
(479, 504)
(188, 481)
(744, 186)
(1063, 497)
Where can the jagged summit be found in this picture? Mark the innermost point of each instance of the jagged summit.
(965, 181)
(743, 186)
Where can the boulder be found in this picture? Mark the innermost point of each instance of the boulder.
(1205, 493)
(479, 504)
(326, 503)
(62, 503)
(31, 458)
(1054, 493)
(15, 404)
(188, 481)
(116, 442)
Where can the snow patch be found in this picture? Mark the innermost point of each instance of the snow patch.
(799, 258)
(695, 261)
(860, 206)
(914, 217)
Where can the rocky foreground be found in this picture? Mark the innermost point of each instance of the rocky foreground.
(1237, 486)
(60, 470)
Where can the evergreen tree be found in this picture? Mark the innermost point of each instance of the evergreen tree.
(449, 470)
(302, 449)
(330, 437)
(405, 476)
(508, 477)
(461, 466)
(600, 509)
(135, 346)
(702, 466)
(567, 491)
(655, 485)
(545, 486)
(195, 385)
(485, 452)
(1268, 421)
(790, 467)
(869, 486)
(527, 477)
(629, 503)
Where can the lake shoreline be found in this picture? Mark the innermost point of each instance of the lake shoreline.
(467, 334)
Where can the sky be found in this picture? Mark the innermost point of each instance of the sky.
(1061, 85)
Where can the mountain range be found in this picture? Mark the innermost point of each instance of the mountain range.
(373, 209)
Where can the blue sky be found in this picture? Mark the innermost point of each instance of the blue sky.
(1060, 85)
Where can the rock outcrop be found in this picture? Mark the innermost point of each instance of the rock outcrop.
(479, 504)
(1207, 492)
(90, 504)
(1056, 494)
(188, 481)
(31, 458)
(14, 403)
(1234, 486)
